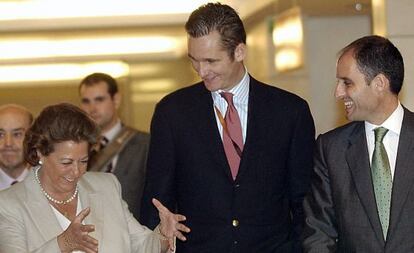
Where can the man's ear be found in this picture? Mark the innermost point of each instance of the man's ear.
(381, 83)
(240, 52)
(117, 100)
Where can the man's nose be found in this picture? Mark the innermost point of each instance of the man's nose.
(8, 140)
(202, 70)
(339, 91)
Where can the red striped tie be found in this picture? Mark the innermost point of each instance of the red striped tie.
(232, 135)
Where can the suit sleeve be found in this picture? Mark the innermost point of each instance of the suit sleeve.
(320, 233)
(300, 166)
(13, 234)
(143, 240)
(160, 169)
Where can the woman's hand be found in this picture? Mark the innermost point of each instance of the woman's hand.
(76, 237)
(170, 225)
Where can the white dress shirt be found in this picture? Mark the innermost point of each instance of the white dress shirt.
(391, 139)
(240, 100)
(65, 222)
(6, 180)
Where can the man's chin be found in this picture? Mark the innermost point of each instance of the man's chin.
(211, 87)
(352, 117)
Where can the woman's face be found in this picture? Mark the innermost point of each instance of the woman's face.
(63, 167)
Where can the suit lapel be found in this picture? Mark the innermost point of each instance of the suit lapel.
(121, 169)
(44, 218)
(124, 158)
(254, 108)
(358, 162)
(90, 198)
(38, 208)
(404, 172)
(204, 116)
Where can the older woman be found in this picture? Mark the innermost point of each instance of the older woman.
(60, 208)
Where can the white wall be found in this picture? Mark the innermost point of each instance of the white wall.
(400, 30)
(325, 37)
(315, 81)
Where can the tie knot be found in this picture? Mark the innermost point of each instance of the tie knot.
(228, 97)
(380, 132)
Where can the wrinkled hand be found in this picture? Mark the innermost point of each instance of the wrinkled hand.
(76, 237)
(170, 225)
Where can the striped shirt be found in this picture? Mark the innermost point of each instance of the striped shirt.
(240, 100)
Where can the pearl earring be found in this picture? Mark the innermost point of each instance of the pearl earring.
(40, 162)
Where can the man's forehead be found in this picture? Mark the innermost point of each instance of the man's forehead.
(14, 122)
(94, 91)
(15, 129)
(12, 116)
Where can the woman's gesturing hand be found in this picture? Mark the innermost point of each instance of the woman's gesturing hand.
(76, 237)
(170, 225)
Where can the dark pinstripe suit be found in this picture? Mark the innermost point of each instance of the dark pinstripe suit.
(261, 211)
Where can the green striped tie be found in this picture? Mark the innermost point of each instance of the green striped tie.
(381, 177)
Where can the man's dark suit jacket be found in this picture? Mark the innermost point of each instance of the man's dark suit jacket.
(341, 209)
(130, 170)
(261, 211)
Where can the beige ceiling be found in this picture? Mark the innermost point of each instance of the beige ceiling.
(327, 7)
(245, 7)
(166, 25)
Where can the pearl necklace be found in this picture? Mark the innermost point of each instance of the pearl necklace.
(50, 198)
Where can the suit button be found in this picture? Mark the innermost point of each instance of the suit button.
(235, 223)
(235, 242)
(237, 186)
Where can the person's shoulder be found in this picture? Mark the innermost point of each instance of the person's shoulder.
(408, 115)
(99, 176)
(97, 180)
(275, 94)
(183, 94)
(13, 196)
(342, 133)
(139, 136)
(182, 100)
(101, 183)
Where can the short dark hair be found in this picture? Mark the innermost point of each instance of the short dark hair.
(56, 124)
(221, 18)
(377, 55)
(95, 78)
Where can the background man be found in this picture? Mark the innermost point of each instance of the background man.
(123, 149)
(362, 198)
(14, 121)
(232, 154)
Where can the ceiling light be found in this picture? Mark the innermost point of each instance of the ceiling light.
(46, 73)
(47, 9)
(288, 40)
(154, 85)
(55, 48)
(379, 20)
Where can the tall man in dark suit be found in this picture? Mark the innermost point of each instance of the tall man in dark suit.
(232, 154)
(362, 197)
(124, 149)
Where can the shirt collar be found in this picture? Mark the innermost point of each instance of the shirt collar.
(393, 123)
(110, 135)
(241, 90)
(5, 179)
